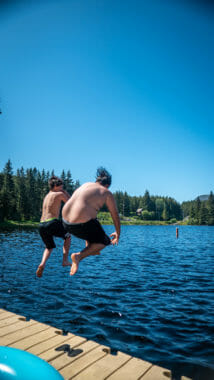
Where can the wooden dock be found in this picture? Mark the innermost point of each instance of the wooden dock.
(73, 356)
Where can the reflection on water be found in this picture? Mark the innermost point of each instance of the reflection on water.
(151, 297)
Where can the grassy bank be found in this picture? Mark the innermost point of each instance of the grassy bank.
(103, 217)
(10, 225)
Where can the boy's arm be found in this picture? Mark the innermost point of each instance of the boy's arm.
(65, 196)
(112, 207)
(66, 193)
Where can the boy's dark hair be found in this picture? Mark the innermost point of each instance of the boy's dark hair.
(54, 181)
(103, 176)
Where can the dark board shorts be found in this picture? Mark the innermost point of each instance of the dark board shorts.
(49, 229)
(91, 231)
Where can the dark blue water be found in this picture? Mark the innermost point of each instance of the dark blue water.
(151, 297)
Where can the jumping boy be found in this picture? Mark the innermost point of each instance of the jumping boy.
(50, 225)
(79, 216)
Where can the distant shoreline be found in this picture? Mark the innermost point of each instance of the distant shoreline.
(9, 225)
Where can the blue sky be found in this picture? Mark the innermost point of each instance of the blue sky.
(124, 84)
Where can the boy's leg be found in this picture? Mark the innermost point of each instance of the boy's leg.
(90, 250)
(41, 267)
(66, 246)
(92, 254)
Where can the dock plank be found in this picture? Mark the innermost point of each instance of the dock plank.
(65, 359)
(11, 320)
(104, 367)
(53, 353)
(23, 333)
(8, 329)
(74, 369)
(40, 337)
(39, 348)
(132, 370)
(156, 372)
(6, 314)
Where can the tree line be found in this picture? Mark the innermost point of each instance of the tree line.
(22, 193)
(200, 212)
(148, 207)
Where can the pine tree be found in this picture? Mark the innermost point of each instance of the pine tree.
(31, 196)
(159, 205)
(20, 191)
(197, 210)
(63, 177)
(76, 184)
(1, 180)
(38, 196)
(175, 211)
(192, 212)
(203, 214)
(119, 199)
(210, 205)
(165, 214)
(48, 176)
(69, 183)
(8, 203)
(45, 187)
(1, 198)
(147, 203)
(126, 204)
(134, 204)
(141, 202)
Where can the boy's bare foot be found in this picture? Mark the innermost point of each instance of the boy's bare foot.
(39, 271)
(66, 263)
(75, 257)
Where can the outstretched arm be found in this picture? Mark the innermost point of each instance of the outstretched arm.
(112, 207)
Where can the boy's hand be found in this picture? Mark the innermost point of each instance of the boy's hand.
(115, 238)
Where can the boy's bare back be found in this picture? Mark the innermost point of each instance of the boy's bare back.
(51, 204)
(85, 203)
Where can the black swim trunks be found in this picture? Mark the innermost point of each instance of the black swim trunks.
(91, 231)
(52, 228)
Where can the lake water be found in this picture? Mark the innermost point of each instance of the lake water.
(152, 296)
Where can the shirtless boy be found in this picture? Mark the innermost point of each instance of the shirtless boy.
(79, 217)
(50, 225)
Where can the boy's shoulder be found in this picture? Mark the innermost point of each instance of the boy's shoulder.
(55, 194)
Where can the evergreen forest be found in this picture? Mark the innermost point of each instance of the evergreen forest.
(22, 193)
